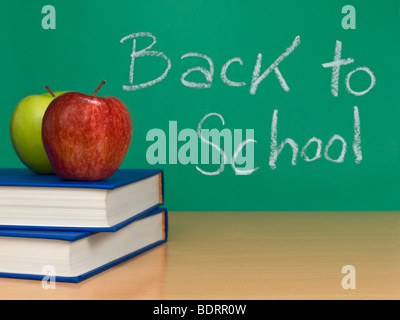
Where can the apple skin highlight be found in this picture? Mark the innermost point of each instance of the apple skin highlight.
(86, 137)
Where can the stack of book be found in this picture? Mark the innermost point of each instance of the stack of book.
(77, 229)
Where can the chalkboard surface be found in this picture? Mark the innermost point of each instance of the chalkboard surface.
(246, 105)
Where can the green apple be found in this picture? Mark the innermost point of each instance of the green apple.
(26, 131)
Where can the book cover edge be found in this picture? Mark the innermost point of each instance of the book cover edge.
(99, 269)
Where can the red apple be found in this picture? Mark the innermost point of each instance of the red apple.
(86, 137)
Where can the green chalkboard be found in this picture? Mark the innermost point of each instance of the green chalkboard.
(304, 95)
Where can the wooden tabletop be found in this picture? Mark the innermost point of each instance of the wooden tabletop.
(250, 255)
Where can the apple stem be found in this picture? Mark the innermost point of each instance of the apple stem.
(51, 92)
(97, 89)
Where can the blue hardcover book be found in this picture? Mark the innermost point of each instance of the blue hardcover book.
(30, 201)
(73, 256)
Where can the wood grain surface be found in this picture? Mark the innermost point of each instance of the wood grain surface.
(249, 255)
